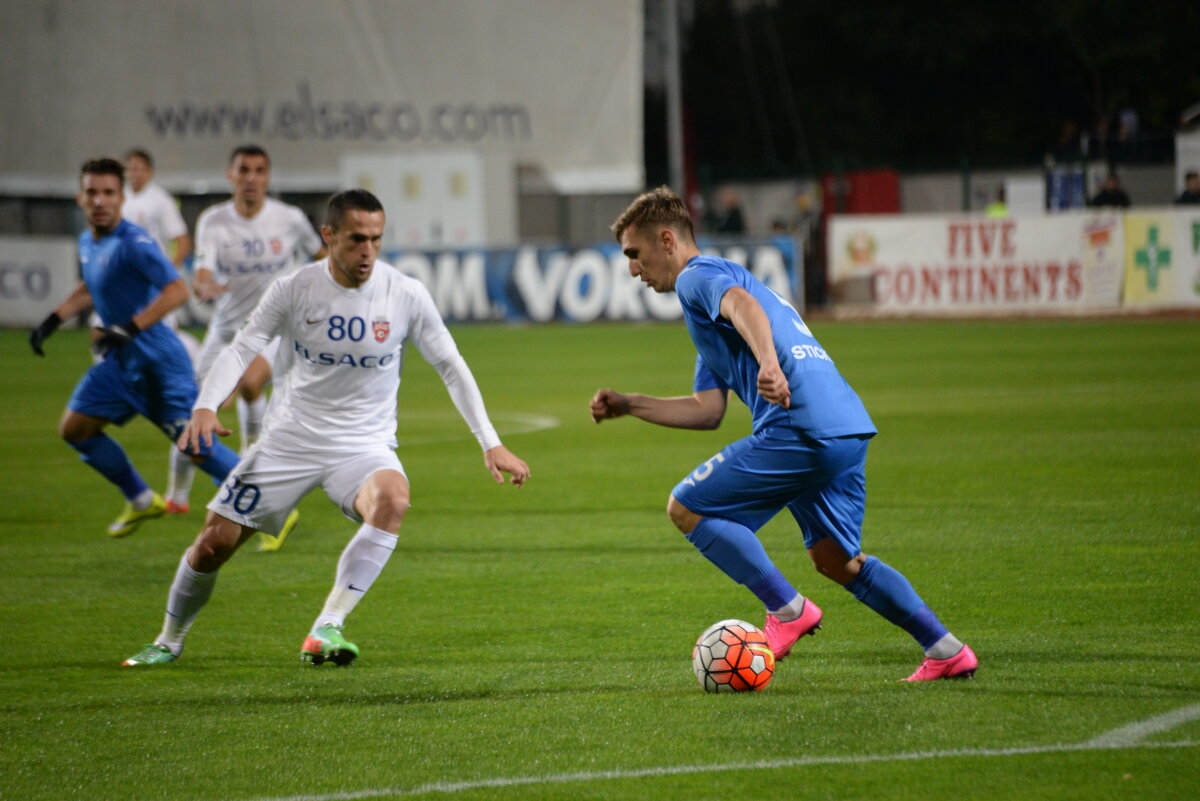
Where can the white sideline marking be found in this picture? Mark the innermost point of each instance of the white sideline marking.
(1125, 737)
(1140, 730)
(507, 423)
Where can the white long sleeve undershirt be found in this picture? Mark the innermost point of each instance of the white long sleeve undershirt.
(460, 383)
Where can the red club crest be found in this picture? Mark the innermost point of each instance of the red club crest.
(276, 246)
(381, 328)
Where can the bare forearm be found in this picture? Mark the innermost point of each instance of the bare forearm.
(173, 296)
(204, 286)
(79, 301)
(183, 249)
(701, 410)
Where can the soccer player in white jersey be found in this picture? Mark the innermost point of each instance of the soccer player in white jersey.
(343, 321)
(149, 205)
(243, 244)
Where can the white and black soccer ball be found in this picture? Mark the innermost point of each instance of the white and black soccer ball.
(733, 656)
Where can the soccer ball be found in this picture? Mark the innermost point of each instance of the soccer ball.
(732, 655)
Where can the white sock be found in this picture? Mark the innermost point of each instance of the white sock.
(189, 593)
(946, 647)
(143, 500)
(361, 563)
(791, 611)
(179, 480)
(250, 419)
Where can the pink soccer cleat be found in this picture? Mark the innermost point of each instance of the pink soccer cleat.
(960, 666)
(781, 636)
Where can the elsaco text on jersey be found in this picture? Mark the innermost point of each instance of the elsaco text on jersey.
(347, 359)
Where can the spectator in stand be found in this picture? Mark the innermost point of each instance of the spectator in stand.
(1191, 189)
(998, 208)
(730, 219)
(1110, 194)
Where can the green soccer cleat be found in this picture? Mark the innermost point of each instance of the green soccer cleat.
(268, 543)
(152, 654)
(130, 518)
(326, 644)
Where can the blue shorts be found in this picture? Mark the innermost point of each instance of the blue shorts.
(159, 391)
(821, 481)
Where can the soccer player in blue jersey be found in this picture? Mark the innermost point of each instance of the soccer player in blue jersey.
(145, 369)
(807, 450)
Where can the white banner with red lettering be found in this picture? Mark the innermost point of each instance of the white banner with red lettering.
(972, 264)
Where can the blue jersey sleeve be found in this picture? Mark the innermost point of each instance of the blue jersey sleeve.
(147, 258)
(704, 378)
(701, 286)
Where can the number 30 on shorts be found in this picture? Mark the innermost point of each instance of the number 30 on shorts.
(242, 497)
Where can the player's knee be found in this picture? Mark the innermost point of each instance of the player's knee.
(208, 554)
(394, 503)
(832, 563)
(68, 432)
(213, 547)
(386, 508)
(684, 518)
(74, 428)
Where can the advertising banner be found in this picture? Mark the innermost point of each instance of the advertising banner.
(36, 274)
(1162, 259)
(546, 283)
(550, 84)
(535, 284)
(970, 265)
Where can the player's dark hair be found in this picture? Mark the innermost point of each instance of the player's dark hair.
(103, 166)
(248, 150)
(1191, 174)
(658, 207)
(351, 199)
(138, 153)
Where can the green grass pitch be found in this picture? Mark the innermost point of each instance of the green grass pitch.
(1038, 481)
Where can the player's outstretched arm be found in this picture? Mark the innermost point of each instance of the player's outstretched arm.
(500, 460)
(200, 431)
(699, 411)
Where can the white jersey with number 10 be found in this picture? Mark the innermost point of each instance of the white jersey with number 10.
(246, 255)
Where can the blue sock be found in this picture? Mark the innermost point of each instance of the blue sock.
(105, 456)
(888, 592)
(219, 462)
(737, 551)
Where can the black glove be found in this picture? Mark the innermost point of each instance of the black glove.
(116, 336)
(38, 335)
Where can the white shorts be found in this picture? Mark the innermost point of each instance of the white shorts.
(271, 479)
(214, 343)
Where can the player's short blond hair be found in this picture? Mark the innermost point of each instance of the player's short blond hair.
(658, 207)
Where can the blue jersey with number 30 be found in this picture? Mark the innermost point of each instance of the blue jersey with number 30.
(822, 404)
